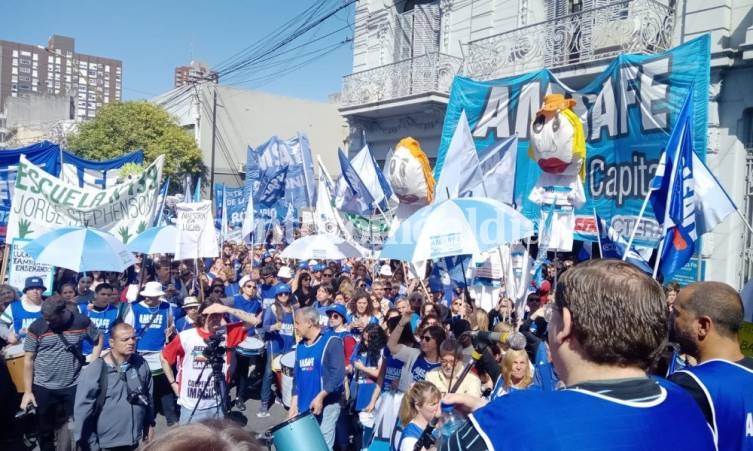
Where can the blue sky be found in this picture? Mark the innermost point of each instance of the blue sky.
(151, 38)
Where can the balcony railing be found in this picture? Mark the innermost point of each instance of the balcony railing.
(432, 72)
(632, 26)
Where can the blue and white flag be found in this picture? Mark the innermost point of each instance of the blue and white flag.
(272, 188)
(461, 172)
(159, 218)
(247, 228)
(498, 166)
(96, 174)
(301, 187)
(351, 195)
(614, 245)
(372, 177)
(197, 191)
(673, 196)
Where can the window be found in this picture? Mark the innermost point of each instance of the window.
(34, 73)
(92, 72)
(107, 69)
(24, 78)
(58, 60)
(15, 54)
(14, 71)
(25, 70)
(14, 78)
(25, 62)
(35, 56)
(25, 53)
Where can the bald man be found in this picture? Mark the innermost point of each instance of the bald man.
(707, 318)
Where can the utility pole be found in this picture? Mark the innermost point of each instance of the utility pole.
(214, 136)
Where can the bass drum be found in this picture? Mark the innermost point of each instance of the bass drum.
(287, 366)
(297, 433)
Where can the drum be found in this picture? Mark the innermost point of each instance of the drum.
(287, 366)
(14, 360)
(250, 347)
(154, 362)
(299, 432)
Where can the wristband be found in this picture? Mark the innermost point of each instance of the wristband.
(173, 382)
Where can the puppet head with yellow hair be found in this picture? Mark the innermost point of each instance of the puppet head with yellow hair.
(557, 141)
(410, 174)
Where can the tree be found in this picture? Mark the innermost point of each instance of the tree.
(122, 127)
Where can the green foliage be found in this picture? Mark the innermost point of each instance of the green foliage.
(130, 169)
(122, 127)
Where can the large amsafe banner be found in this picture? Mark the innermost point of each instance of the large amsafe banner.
(42, 202)
(627, 111)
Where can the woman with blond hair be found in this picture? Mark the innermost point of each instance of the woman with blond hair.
(419, 407)
(517, 373)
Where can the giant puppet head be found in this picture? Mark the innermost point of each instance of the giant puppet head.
(557, 141)
(410, 174)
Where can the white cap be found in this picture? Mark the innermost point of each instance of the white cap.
(152, 290)
(385, 270)
(312, 263)
(285, 272)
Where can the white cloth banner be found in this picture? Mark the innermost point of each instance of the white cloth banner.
(196, 233)
(42, 202)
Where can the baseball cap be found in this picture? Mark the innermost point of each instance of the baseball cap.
(337, 308)
(282, 288)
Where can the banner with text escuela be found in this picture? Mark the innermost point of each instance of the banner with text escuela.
(628, 112)
(42, 202)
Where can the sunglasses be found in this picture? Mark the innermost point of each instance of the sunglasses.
(335, 315)
(218, 290)
(327, 274)
(283, 294)
(427, 338)
(249, 286)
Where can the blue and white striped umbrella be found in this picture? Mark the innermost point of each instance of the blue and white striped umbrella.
(80, 249)
(462, 226)
(155, 240)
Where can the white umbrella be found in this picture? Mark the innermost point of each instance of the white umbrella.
(460, 226)
(80, 249)
(320, 247)
(155, 240)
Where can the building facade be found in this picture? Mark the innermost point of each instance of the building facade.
(193, 73)
(57, 69)
(407, 52)
(250, 118)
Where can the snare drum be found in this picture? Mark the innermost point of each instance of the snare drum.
(287, 367)
(14, 360)
(154, 362)
(250, 347)
(299, 432)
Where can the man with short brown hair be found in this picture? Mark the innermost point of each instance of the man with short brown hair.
(608, 325)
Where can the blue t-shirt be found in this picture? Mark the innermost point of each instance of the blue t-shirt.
(393, 370)
(412, 430)
(579, 419)
(182, 324)
(422, 366)
(104, 321)
(150, 332)
(729, 391)
(282, 341)
(252, 306)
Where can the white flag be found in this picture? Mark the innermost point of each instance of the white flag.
(712, 203)
(461, 171)
(248, 220)
(362, 163)
(196, 233)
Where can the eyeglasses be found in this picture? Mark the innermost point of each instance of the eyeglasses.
(427, 338)
(448, 361)
(248, 285)
(327, 274)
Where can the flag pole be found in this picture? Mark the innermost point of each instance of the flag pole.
(598, 236)
(745, 221)
(637, 223)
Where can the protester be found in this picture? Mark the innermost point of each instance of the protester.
(608, 325)
(278, 325)
(366, 365)
(20, 314)
(52, 366)
(191, 308)
(450, 376)
(195, 384)
(319, 373)
(417, 361)
(707, 319)
(419, 407)
(206, 435)
(246, 301)
(113, 407)
(102, 314)
(154, 319)
(517, 373)
(670, 292)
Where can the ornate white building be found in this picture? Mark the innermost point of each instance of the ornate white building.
(406, 53)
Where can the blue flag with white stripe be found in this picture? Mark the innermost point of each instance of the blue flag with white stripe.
(614, 245)
(673, 195)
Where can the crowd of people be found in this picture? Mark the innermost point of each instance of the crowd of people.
(601, 356)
